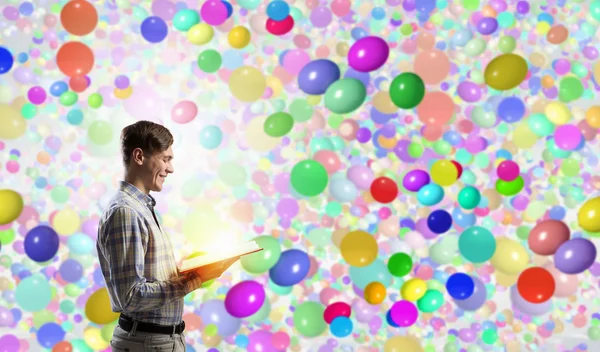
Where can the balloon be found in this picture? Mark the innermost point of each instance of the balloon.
(331, 162)
(154, 29)
(570, 89)
(75, 59)
(404, 313)
(436, 108)
(214, 312)
(11, 206)
(477, 244)
(444, 173)
(211, 137)
(568, 137)
(557, 34)
(309, 178)
(557, 113)
(547, 236)
(210, 61)
(214, 12)
(432, 65)
(368, 54)
(260, 341)
(239, 37)
(588, 216)
(41, 243)
(345, 95)
(407, 90)
(413, 289)
(375, 292)
(184, 111)
(384, 189)
(341, 327)
(260, 262)
(244, 299)
(247, 83)
(278, 10)
(476, 299)
(511, 109)
(200, 34)
(33, 293)
(50, 334)
(533, 309)
(308, 319)
(359, 248)
(185, 19)
(430, 194)
(460, 286)
(98, 308)
(364, 275)
(336, 309)
(510, 257)
(279, 124)
(439, 221)
(402, 343)
(592, 116)
(79, 17)
(414, 180)
(6, 60)
(361, 176)
(431, 301)
(291, 268)
(400, 264)
(536, 285)
(316, 76)
(510, 188)
(508, 170)
(505, 72)
(469, 91)
(280, 27)
(566, 285)
(575, 256)
(469, 198)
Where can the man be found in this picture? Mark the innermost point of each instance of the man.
(136, 256)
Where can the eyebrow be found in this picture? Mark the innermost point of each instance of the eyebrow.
(169, 157)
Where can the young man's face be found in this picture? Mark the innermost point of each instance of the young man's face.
(158, 168)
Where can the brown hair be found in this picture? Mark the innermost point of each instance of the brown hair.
(149, 136)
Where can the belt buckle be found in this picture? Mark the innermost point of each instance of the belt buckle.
(174, 328)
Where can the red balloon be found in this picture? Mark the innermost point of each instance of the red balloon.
(79, 17)
(78, 83)
(458, 167)
(280, 27)
(75, 59)
(536, 285)
(337, 309)
(384, 189)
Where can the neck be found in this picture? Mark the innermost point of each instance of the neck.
(136, 182)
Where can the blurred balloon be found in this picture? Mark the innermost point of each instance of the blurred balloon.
(308, 319)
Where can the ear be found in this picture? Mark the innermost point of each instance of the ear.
(138, 156)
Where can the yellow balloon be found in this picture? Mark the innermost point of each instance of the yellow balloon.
(200, 33)
(93, 338)
(510, 257)
(523, 137)
(505, 72)
(123, 93)
(413, 289)
(383, 103)
(11, 206)
(505, 280)
(247, 83)
(66, 222)
(402, 344)
(557, 113)
(98, 309)
(444, 172)
(257, 139)
(359, 248)
(275, 84)
(239, 37)
(597, 71)
(592, 116)
(13, 124)
(589, 215)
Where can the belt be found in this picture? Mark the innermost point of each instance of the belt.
(126, 323)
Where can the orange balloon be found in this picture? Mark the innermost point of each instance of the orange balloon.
(425, 41)
(63, 346)
(547, 82)
(375, 292)
(436, 108)
(592, 116)
(79, 17)
(75, 59)
(557, 34)
(432, 66)
(242, 211)
(78, 83)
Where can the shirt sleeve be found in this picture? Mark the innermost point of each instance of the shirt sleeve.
(125, 248)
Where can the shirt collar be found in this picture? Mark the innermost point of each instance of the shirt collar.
(135, 192)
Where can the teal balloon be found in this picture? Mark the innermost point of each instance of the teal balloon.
(185, 19)
(540, 125)
(261, 261)
(280, 290)
(345, 95)
(33, 293)
(249, 4)
(469, 197)
(477, 244)
(79, 345)
(431, 301)
(376, 271)
(319, 237)
(211, 137)
(309, 178)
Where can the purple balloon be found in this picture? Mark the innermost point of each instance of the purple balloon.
(368, 54)
(415, 179)
(316, 76)
(362, 176)
(533, 309)
(467, 335)
(6, 317)
(404, 313)
(282, 183)
(487, 25)
(401, 151)
(575, 256)
(10, 343)
(287, 208)
(245, 299)
(409, 5)
(476, 300)
(422, 228)
(469, 91)
(214, 312)
(522, 7)
(321, 17)
(363, 311)
(364, 77)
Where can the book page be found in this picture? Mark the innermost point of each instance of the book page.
(215, 257)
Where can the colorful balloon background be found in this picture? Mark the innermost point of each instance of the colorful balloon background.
(423, 175)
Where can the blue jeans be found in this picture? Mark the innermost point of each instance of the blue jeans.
(139, 341)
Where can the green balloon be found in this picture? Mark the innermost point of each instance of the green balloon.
(28, 111)
(400, 264)
(68, 98)
(507, 44)
(185, 19)
(209, 61)
(278, 124)
(300, 110)
(345, 95)
(489, 336)
(262, 261)
(594, 333)
(483, 118)
(100, 132)
(59, 194)
(309, 178)
(262, 313)
(510, 188)
(570, 88)
(407, 90)
(469, 198)
(431, 301)
(308, 319)
(95, 100)
(415, 150)
(232, 174)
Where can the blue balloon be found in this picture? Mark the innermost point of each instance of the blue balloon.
(461, 37)
(154, 29)
(242, 341)
(388, 318)
(211, 137)
(430, 194)
(425, 5)
(381, 118)
(557, 212)
(58, 88)
(358, 33)
(460, 286)
(462, 219)
(341, 326)
(22, 57)
(453, 138)
(229, 8)
(511, 109)
(439, 221)
(80, 243)
(6, 60)
(316, 76)
(71, 270)
(41, 243)
(378, 13)
(291, 268)
(75, 117)
(50, 334)
(364, 77)
(278, 10)
(343, 190)
(214, 312)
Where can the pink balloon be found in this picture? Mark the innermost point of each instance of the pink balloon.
(184, 111)
(404, 313)
(328, 159)
(145, 104)
(280, 340)
(567, 137)
(432, 66)
(294, 60)
(368, 54)
(390, 226)
(436, 108)
(327, 294)
(214, 12)
(566, 285)
(341, 8)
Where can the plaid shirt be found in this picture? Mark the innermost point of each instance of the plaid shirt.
(137, 261)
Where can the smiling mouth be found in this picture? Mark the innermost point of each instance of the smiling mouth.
(163, 177)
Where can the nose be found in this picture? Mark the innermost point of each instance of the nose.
(170, 169)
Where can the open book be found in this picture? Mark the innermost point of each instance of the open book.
(215, 257)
